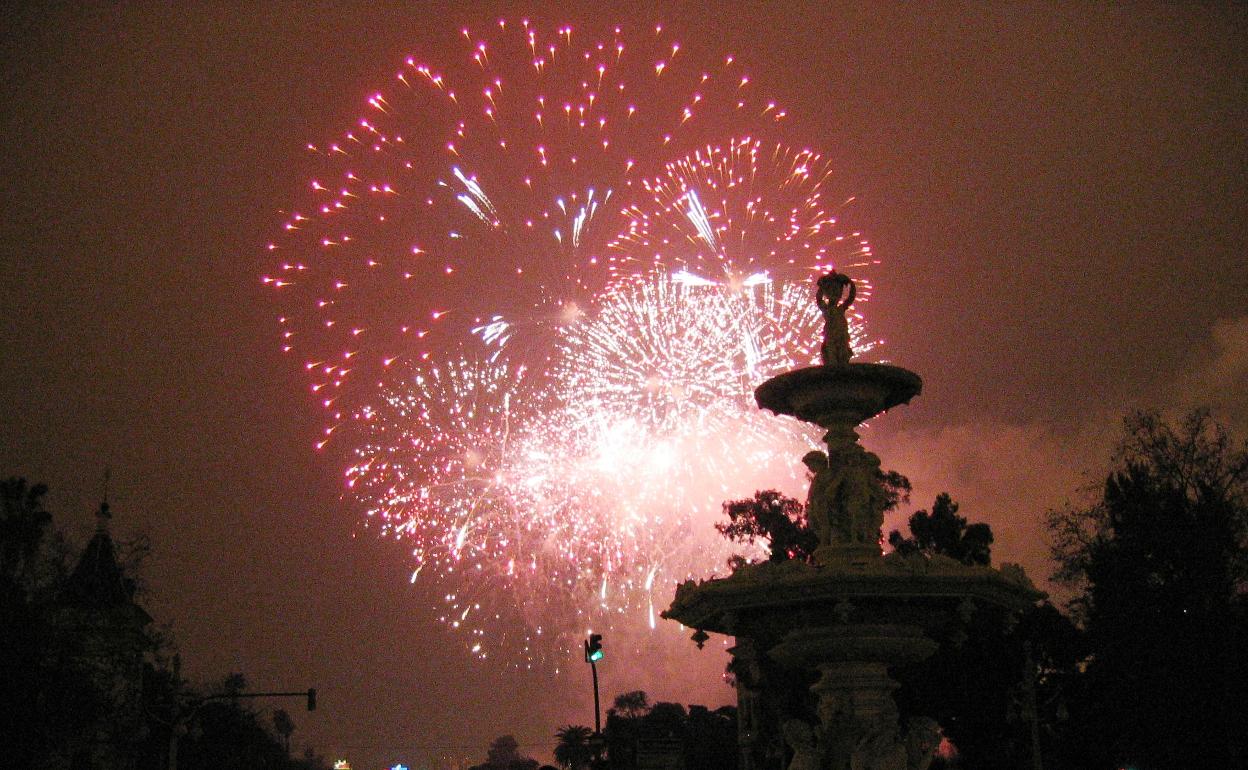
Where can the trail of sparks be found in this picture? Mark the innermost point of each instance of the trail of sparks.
(533, 295)
(479, 185)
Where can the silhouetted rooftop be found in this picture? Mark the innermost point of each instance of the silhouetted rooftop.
(98, 579)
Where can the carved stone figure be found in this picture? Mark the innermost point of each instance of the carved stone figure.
(846, 500)
(861, 497)
(750, 727)
(801, 739)
(837, 730)
(749, 723)
(758, 725)
(879, 746)
(836, 349)
(922, 741)
(854, 735)
(819, 499)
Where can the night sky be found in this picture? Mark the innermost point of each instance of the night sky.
(1057, 193)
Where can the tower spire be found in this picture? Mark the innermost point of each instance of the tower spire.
(103, 515)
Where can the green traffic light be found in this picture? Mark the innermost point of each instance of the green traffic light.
(593, 648)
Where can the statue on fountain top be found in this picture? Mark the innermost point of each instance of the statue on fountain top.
(836, 350)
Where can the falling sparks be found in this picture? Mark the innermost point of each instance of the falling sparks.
(532, 290)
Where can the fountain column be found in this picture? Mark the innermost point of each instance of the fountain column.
(824, 635)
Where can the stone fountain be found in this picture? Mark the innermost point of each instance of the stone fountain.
(815, 641)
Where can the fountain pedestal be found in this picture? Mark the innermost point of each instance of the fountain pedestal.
(815, 641)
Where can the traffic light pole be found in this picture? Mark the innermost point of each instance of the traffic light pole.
(593, 654)
(309, 693)
(597, 717)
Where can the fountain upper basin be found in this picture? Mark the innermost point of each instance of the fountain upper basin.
(828, 395)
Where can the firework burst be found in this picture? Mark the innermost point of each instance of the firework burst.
(582, 492)
(741, 213)
(482, 186)
(535, 319)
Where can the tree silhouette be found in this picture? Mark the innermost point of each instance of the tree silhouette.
(770, 516)
(504, 754)
(700, 739)
(631, 705)
(24, 630)
(711, 739)
(229, 734)
(977, 683)
(944, 532)
(574, 751)
(1160, 566)
(24, 529)
(232, 684)
(665, 720)
(503, 750)
(74, 641)
(85, 679)
(284, 726)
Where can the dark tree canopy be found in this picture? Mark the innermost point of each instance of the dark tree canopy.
(971, 684)
(73, 648)
(944, 532)
(770, 516)
(86, 680)
(1159, 567)
(639, 734)
(632, 704)
(284, 726)
(24, 526)
(504, 754)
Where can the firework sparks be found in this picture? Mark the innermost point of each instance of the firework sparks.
(536, 342)
(584, 491)
(493, 180)
(741, 212)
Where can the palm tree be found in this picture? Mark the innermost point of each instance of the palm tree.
(631, 705)
(574, 751)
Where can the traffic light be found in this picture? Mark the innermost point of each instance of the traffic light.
(311, 699)
(593, 648)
